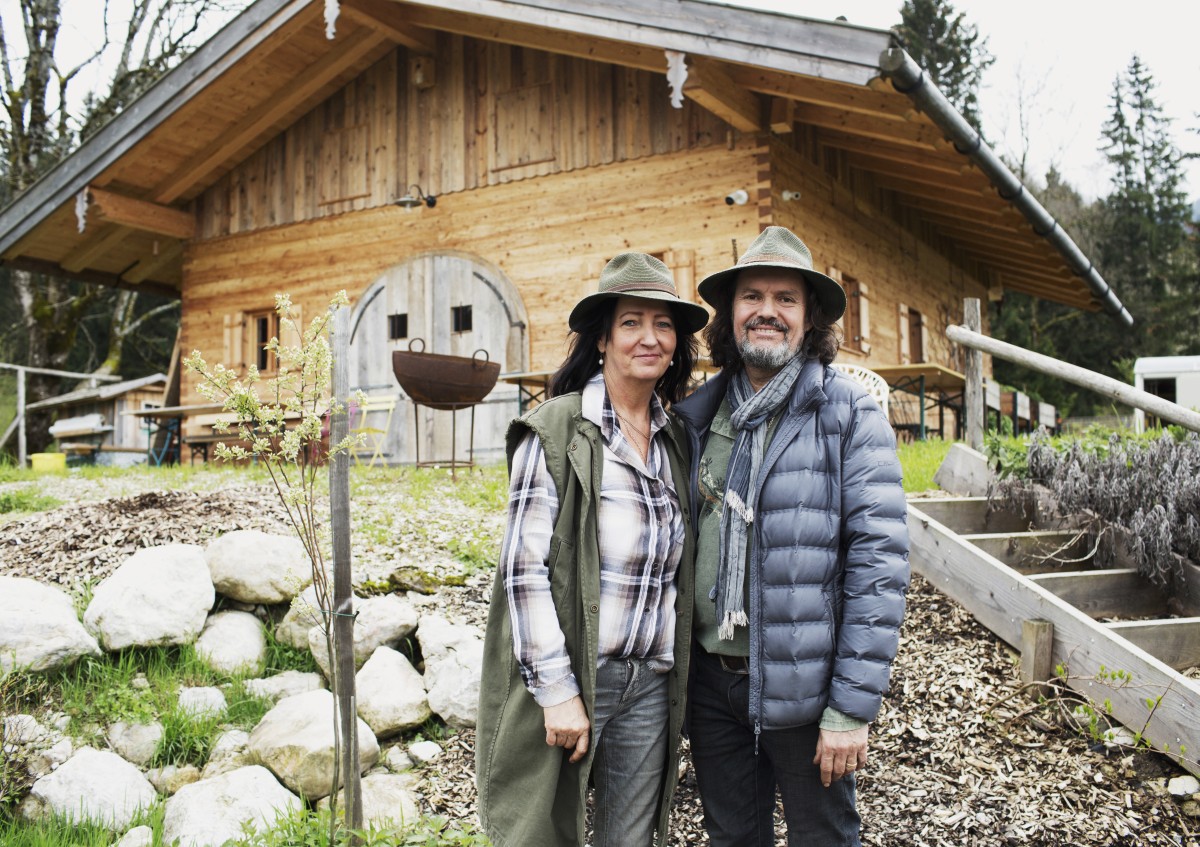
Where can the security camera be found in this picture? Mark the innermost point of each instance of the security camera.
(737, 198)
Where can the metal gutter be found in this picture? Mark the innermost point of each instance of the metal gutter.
(909, 78)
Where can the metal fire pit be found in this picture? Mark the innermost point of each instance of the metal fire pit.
(446, 383)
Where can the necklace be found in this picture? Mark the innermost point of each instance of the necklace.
(645, 435)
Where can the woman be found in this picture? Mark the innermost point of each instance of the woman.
(585, 660)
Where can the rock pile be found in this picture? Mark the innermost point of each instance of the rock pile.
(217, 598)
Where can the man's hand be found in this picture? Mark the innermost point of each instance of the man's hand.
(567, 726)
(840, 753)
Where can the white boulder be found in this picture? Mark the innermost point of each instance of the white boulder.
(135, 742)
(301, 616)
(93, 785)
(391, 694)
(256, 567)
(275, 688)
(213, 811)
(39, 629)
(139, 836)
(453, 666)
(202, 702)
(229, 752)
(384, 620)
(160, 595)
(295, 740)
(387, 801)
(424, 752)
(233, 642)
(170, 778)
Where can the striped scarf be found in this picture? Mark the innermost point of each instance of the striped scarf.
(750, 412)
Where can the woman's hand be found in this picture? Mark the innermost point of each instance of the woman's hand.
(567, 726)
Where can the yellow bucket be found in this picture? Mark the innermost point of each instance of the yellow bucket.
(48, 462)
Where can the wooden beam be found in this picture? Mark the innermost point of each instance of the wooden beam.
(141, 214)
(1119, 592)
(294, 94)
(1000, 599)
(947, 159)
(926, 204)
(82, 255)
(783, 115)
(1017, 234)
(946, 196)
(709, 85)
(168, 254)
(391, 20)
(1026, 264)
(920, 135)
(38, 266)
(539, 38)
(824, 92)
(1175, 641)
(918, 173)
(973, 515)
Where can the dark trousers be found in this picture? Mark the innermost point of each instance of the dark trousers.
(737, 786)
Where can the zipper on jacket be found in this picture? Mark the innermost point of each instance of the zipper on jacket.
(757, 733)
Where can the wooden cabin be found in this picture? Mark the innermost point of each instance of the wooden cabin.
(280, 159)
(94, 424)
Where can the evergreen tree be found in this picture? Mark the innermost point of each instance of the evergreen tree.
(950, 49)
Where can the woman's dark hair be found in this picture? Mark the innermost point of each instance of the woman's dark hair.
(821, 341)
(583, 356)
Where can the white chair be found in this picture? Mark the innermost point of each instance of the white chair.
(876, 385)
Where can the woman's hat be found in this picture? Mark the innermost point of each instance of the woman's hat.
(639, 275)
(778, 247)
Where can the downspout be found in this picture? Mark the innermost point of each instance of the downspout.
(908, 78)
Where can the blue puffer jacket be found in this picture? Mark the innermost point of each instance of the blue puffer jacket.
(829, 557)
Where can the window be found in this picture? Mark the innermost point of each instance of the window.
(263, 327)
(856, 323)
(1161, 387)
(460, 318)
(911, 334)
(397, 326)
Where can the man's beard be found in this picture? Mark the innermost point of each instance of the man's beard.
(771, 358)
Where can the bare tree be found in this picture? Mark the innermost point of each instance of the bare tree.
(41, 121)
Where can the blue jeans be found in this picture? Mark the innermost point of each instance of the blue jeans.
(629, 730)
(737, 785)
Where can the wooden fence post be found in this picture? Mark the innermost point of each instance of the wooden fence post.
(1037, 642)
(973, 371)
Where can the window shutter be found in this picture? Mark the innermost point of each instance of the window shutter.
(235, 330)
(683, 267)
(923, 353)
(864, 316)
(902, 334)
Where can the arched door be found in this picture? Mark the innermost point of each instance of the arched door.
(457, 304)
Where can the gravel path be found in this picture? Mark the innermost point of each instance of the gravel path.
(958, 755)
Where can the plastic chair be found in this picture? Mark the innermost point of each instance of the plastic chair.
(876, 385)
(375, 438)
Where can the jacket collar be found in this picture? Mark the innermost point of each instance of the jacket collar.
(701, 405)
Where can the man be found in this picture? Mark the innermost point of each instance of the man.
(802, 556)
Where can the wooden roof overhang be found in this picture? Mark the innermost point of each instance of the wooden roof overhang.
(758, 71)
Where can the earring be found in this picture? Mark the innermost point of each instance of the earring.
(602, 360)
(672, 363)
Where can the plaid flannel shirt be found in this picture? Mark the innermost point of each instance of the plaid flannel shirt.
(640, 542)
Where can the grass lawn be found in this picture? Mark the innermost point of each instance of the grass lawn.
(920, 461)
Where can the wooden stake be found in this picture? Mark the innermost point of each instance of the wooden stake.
(1037, 639)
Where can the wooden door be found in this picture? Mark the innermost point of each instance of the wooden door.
(456, 304)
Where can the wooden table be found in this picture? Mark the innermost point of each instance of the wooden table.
(167, 421)
(927, 380)
(531, 387)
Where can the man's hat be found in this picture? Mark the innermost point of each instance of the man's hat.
(778, 247)
(639, 275)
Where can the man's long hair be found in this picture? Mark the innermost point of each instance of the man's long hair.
(821, 341)
(583, 357)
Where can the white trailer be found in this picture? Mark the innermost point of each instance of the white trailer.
(1174, 378)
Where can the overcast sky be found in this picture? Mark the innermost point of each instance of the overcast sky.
(1064, 54)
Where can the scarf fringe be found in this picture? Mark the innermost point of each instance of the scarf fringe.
(735, 502)
(731, 619)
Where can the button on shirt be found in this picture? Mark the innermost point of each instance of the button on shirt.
(640, 526)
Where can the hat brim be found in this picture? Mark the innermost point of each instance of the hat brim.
(692, 315)
(830, 293)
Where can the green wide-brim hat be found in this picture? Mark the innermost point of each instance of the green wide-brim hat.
(778, 247)
(638, 275)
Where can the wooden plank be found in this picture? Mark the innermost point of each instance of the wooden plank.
(709, 84)
(823, 92)
(1175, 641)
(390, 20)
(946, 159)
(292, 95)
(1001, 599)
(1112, 593)
(973, 515)
(1037, 648)
(141, 214)
(919, 135)
(83, 255)
(168, 254)
(1027, 551)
